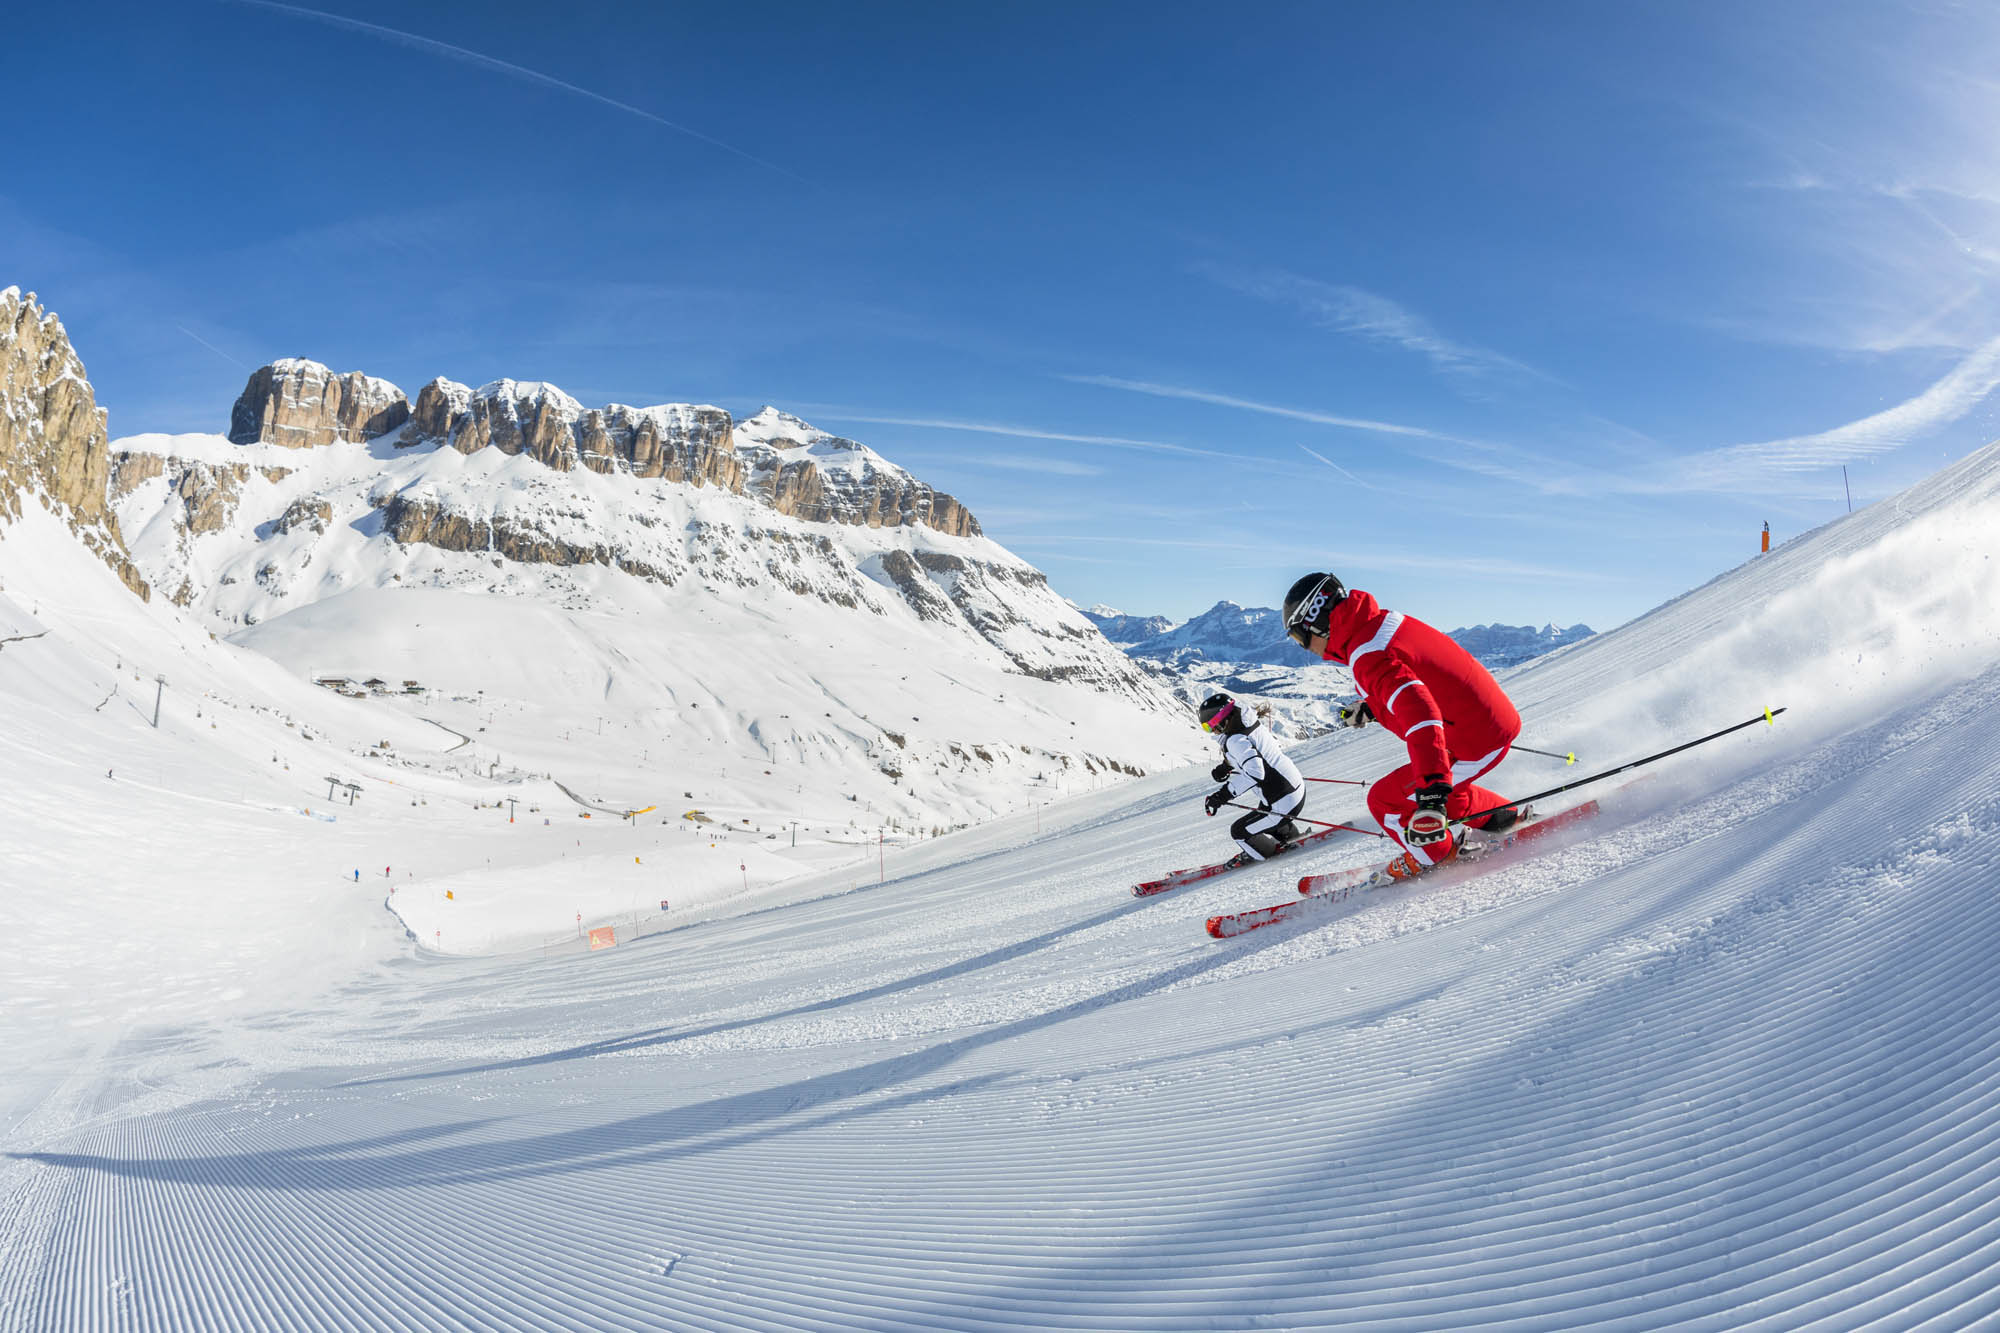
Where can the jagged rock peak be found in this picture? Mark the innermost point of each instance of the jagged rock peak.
(811, 474)
(773, 456)
(782, 430)
(685, 442)
(301, 404)
(52, 432)
(530, 391)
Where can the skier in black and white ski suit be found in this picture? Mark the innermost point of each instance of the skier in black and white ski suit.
(1252, 761)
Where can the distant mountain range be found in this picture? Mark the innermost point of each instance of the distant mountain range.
(1124, 631)
(1510, 645)
(1255, 635)
(1244, 651)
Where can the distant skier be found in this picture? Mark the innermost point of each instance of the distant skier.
(1432, 694)
(1252, 762)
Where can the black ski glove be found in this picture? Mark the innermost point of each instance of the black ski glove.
(1216, 800)
(1428, 824)
(1358, 716)
(1220, 773)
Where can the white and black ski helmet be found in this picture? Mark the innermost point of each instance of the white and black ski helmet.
(1221, 714)
(1309, 605)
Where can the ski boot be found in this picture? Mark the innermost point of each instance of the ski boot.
(1478, 842)
(1409, 866)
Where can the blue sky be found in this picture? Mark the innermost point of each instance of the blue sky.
(1505, 312)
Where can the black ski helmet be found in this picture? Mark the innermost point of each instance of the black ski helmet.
(1309, 605)
(1221, 714)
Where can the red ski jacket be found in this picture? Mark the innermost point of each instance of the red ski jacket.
(1422, 686)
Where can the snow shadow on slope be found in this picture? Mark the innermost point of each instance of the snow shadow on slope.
(381, 1162)
(667, 1036)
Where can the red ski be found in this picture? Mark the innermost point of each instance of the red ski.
(1174, 879)
(1314, 885)
(1344, 884)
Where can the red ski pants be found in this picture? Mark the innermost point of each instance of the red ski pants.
(1392, 802)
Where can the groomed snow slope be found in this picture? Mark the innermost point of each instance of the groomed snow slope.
(1733, 1062)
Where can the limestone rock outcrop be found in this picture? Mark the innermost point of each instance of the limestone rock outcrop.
(679, 442)
(311, 513)
(410, 520)
(53, 440)
(301, 404)
(773, 457)
(824, 478)
(873, 499)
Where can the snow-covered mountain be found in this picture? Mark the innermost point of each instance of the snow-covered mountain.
(758, 593)
(1226, 632)
(1122, 630)
(1510, 645)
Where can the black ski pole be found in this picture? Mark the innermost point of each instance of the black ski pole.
(1301, 819)
(1766, 717)
(1567, 759)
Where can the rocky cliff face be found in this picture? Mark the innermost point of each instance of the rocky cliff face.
(677, 442)
(53, 442)
(810, 474)
(552, 518)
(301, 404)
(772, 457)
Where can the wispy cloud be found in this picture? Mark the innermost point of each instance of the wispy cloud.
(498, 66)
(1268, 409)
(1067, 437)
(1485, 458)
(1739, 466)
(1059, 467)
(1365, 314)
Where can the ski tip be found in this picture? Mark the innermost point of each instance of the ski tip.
(1215, 927)
(1305, 884)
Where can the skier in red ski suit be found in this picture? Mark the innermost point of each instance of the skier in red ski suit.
(1428, 691)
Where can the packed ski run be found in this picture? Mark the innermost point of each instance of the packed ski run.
(1723, 1056)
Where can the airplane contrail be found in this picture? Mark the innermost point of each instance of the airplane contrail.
(459, 53)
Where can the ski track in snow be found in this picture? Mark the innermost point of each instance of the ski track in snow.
(1726, 1058)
